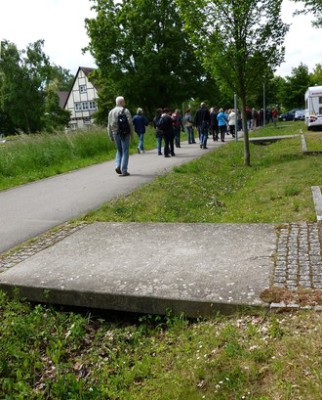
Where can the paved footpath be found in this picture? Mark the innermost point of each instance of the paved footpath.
(30, 210)
(193, 268)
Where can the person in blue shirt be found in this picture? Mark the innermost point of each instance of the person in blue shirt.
(140, 122)
(222, 119)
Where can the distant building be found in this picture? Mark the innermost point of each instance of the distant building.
(81, 100)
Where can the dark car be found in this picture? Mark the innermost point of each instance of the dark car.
(288, 116)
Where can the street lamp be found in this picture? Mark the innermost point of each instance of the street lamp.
(264, 104)
(236, 118)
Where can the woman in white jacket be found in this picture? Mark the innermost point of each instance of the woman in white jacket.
(232, 122)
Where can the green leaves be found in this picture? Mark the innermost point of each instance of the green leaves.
(141, 46)
(25, 80)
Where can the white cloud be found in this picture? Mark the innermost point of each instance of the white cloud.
(302, 42)
(61, 23)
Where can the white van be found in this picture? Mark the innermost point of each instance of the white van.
(313, 108)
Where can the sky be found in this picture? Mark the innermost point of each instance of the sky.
(61, 24)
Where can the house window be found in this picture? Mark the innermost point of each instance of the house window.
(78, 106)
(82, 88)
(92, 105)
(85, 105)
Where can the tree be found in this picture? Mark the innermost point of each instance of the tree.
(26, 98)
(239, 41)
(316, 76)
(276, 94)
(54, 117)
(314, 7)
(22, 79)
(62, 78)
(295, 87)
(143, 53)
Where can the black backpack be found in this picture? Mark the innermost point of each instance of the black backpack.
(160, 123)
(123, 124)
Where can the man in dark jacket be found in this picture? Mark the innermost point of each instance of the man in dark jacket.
(165, 124)
(202, 122)
(214, 131)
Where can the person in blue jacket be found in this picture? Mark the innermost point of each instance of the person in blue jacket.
(140, 122)
(222, 119)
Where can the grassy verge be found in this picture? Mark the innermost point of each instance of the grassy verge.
(219, 188)
(49, 353)
(28, 158)
(313, 141)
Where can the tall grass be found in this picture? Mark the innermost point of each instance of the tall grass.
(27, 158)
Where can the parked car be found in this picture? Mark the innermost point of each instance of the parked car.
(288, 116)
(299, 115)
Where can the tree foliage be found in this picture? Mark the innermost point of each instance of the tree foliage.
(316, 76)
(295, 86)
(62, 77)
(24, 80)
(238, 41)
(314, 7)
(143, 53)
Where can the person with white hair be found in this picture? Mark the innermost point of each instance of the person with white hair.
(140, 122)
(122, 143)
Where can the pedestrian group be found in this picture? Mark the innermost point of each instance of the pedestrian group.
(168, 126)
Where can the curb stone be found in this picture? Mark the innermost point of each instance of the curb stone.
(27, 249)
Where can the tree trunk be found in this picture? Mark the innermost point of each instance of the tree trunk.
(246, 138)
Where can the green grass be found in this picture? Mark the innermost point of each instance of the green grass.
(219, 188)
(52, 353)
(27, 158)
(313, 141)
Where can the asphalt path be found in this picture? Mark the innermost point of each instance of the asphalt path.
(29, 210)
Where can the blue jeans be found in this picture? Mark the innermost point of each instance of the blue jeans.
(190, 134)
(122, 152)
(159, 144)
(176, 132)
(204, 135)
(141, 141)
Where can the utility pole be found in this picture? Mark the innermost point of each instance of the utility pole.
(236, 119)
(264, 105)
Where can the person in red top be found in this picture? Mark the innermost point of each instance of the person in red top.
(274, 116)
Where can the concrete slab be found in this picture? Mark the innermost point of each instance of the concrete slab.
(270, 139)
(317, 200)
(197, 269)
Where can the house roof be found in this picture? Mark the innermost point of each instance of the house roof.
(86, 71)
(62, 98)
